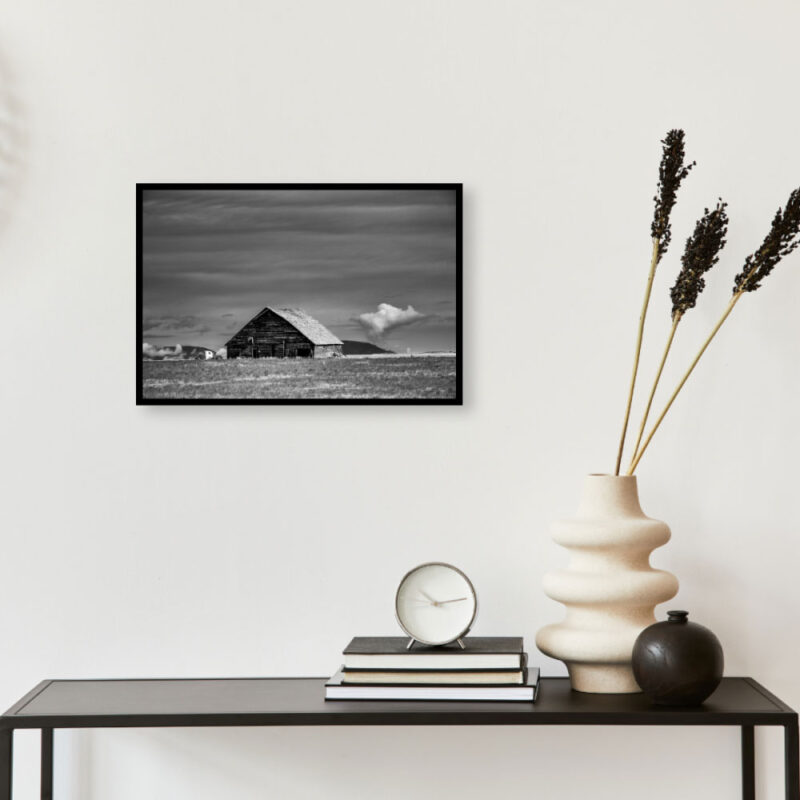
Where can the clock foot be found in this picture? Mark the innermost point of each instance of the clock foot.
(461, 644)
(410, 644)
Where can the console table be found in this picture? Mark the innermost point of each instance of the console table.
(299, 701)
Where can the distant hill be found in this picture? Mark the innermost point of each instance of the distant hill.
(351, 348)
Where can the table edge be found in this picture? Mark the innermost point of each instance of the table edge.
(761, 689)
(26, 698)
(394, 713)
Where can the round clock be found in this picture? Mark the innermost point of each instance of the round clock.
(435, 604)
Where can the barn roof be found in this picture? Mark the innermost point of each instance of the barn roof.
(314, 331)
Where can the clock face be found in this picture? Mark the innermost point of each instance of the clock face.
(435, 603)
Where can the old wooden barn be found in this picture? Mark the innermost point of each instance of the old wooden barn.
(283, 333)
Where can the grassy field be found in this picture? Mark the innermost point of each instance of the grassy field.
(357, 377)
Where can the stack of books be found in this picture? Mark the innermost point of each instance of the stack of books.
(383, 668)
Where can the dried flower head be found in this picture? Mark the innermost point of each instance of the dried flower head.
(702, 252)
(671, 173)
(782, 239)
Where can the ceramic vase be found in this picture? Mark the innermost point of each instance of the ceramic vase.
(677, 662)
(608, 587)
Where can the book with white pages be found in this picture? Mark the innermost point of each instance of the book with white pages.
(336, 689)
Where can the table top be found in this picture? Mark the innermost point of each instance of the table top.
(301, 701)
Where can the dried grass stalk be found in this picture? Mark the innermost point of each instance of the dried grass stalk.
(699, 256)
(671, 173)
(782, 239)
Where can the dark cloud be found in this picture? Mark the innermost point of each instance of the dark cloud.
(211, 259)
(169, 324)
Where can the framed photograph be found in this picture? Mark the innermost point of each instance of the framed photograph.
(298, 293)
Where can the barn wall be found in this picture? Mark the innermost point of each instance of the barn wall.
(269, 331)
(327, 350)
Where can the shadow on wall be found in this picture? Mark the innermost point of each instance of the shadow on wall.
(13, 142)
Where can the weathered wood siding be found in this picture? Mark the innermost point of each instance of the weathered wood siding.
(327, 350)
(269, 336)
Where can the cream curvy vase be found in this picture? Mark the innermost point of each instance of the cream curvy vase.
(609, 588)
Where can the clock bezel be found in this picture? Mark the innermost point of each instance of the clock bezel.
(459, 635)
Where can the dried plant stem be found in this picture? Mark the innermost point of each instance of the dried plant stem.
(733, 301)
(642, 316)
(646, 414)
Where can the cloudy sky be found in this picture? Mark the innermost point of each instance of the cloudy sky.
(355, 260)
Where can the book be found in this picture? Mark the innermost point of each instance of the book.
(336, 689)
(466, 677)
(391, 653)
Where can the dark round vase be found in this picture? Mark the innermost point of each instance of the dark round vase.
(677, 662)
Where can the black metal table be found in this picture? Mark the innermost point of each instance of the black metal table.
(218, 702)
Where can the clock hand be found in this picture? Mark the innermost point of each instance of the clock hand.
(454, 600)
(428, 597)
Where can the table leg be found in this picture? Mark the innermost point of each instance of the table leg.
(792, 765)
(6, 762)
(46, 781)
(748, 763)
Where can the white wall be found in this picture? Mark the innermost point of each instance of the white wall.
(127, 551)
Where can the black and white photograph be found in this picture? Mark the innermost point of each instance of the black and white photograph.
(299, 293)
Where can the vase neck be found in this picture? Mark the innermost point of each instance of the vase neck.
(610, 495)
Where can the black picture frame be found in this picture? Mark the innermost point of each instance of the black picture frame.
(457, 395)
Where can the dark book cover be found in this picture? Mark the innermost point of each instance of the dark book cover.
(398, 645)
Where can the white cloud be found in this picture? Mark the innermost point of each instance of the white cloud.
(153, 352)
(378, 324)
